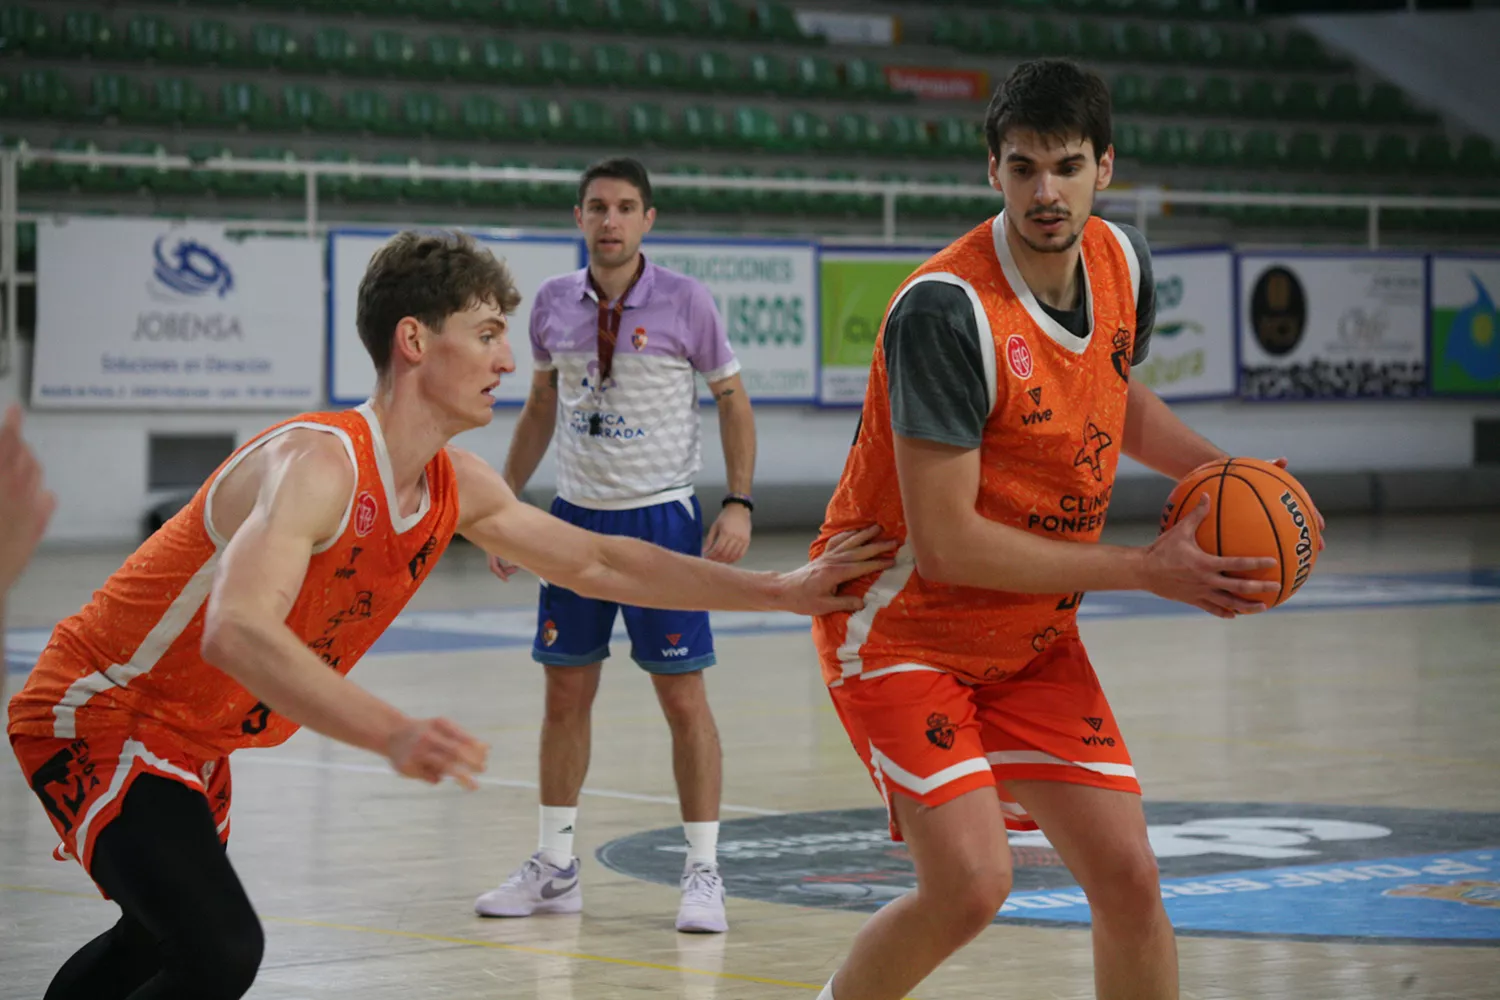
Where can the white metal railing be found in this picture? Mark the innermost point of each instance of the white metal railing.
(1146, 200)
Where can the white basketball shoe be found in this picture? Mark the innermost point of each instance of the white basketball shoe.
(538, 886)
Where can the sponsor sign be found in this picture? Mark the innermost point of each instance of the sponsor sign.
(932, 84)
(855, 286)
(1465, 326)
(1192, 347)
(157, 314)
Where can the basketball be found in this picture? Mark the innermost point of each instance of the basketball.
(1257, 509)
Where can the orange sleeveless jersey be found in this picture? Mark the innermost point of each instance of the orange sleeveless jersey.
(1048, 456)
(129, 660)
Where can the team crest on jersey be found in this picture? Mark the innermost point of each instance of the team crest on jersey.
(1018, 355)
(549, 632)
(1121, 355)
(639, 338)
(365, 511)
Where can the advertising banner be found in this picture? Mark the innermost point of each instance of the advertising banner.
(850, 29)
(855, 286)
(351, 374)
(1331, 326)
(932, 84)
(158, 314)
(1192, 347)
(767, 293)
(1465, 326)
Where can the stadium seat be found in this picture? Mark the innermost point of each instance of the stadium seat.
(769, 73)
(212, 42)
(1171, 146)
(649, 124)
(1216, 148)
(1128, 92)
(1304, 151)
(1344, 103)
(865, 78)
(634, 16)
(1303, 102)
(333, 50)
(539, 118)
(1348, 153)
(1392, 154)
(727, 19)
(287, 185)
(368, 111)
(589, 121)
(1173, 95)
(86, 33)
(1219, 97)
(42, 93)
(393, 53)
(244, 103)
(662, 67)
(806, 131)
(755, 129)
(705, 126)
(150, 37)
(816, 76)
(558, 62)
(1434, 154)
(273, 45)
(118, 96)
(856, 132)
(179, 101)
(1260, 99)
(481, 117)
(24, 30)
(959, 138)
(715, 71)
(310, 108)
(611, 66)
(1262, 149)
(907, 136)
(1476, 157)
(776, 21)
(449, 56)
(501, 60)
(424, 113)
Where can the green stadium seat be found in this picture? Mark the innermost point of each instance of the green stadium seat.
(273, 45)
(958, 137)
(449, 56)
(151, 37)
(1172, 146)
(389, 189)
(856, 133)
(755, 129)
(865, 205)
(1047, 38)
(1208, 45)
(590, 121)
(675, 17)
(1173, 95)
(705, 126)
(1387, 103)
(539, 118)
(1349, 153)
(816, 76)
(524, 13)
(727, 19)
(949, 31)
(481, 117)
(212, 42)
(649, 124)
(682, 199)
(634, 16)
(334, 186)
(117, 96)
(573, 13)
(1219, 97)
(245, 103)
(501, 60)
(1129, 93)
(369, 111)
(777, 21)
(770, 73)
(425, 114)
(179, 101)
(611, 66)
(1344, 103)
(1139, 43)
(1302, 51)
(468, 191)
(994, 35)
(806, 131)
(42, 93)
(286, 185)
(716, 71)
(1303, 102)
(907, 136)
(788, 202)
(37, 175)
(1253, 49)
(1392, 154)
(1260, 99)
(310, 108)
(1435, 154)
(393, 53)
(1101, 40)
(865, 78)
(333, 50)
(86, 33)
(740, 201)
(662, 67)
(558, 62)
(1216, 148)
(1262, 149)
(24, 30)
(1131, 141)
(1304, 151)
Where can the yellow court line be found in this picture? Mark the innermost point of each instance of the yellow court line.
(476, 943)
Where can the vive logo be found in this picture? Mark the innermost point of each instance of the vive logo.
(189, 268)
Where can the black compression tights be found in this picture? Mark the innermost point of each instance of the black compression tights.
(188, 930)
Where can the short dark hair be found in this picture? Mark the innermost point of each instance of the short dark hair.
(620, 168)
(429, 277)
(1055, 98)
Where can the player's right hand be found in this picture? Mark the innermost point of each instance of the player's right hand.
(434, 749)
(503, 569)
(1179, 569)
(25, 506)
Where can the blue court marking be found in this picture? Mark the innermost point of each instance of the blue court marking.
(493, 628)
(1449, 898)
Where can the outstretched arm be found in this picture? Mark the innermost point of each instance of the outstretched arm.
(289, 496)
(25, 508)
(630, 571)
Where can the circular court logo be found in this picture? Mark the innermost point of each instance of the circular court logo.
(1287, 871)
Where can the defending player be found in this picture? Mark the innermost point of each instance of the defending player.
(999, 403)
(236, 623)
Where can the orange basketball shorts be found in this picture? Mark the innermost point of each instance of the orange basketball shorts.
(928, 735)
(82, 782)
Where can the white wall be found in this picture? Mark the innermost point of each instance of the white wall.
(96, 462)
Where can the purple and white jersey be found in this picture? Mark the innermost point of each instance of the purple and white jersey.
(648, 448)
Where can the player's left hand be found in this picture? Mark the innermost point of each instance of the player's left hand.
(814, 589)
(1280, 463)
(729, 536)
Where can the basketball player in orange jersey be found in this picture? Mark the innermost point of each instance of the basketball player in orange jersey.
(999, 403)
(237, 622)
(25, 508)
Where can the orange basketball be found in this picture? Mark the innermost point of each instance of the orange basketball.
(1256, 509)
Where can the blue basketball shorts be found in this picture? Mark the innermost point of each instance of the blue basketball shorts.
(573, 631)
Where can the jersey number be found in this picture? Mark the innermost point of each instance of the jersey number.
(256, 721)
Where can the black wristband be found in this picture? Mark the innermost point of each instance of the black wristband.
(743, 499)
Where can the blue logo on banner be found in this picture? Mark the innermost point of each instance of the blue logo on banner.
(1474, 337)
(190, 268)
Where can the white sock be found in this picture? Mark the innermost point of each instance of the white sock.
(556, 844)
(827, 993)
(703, 843)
